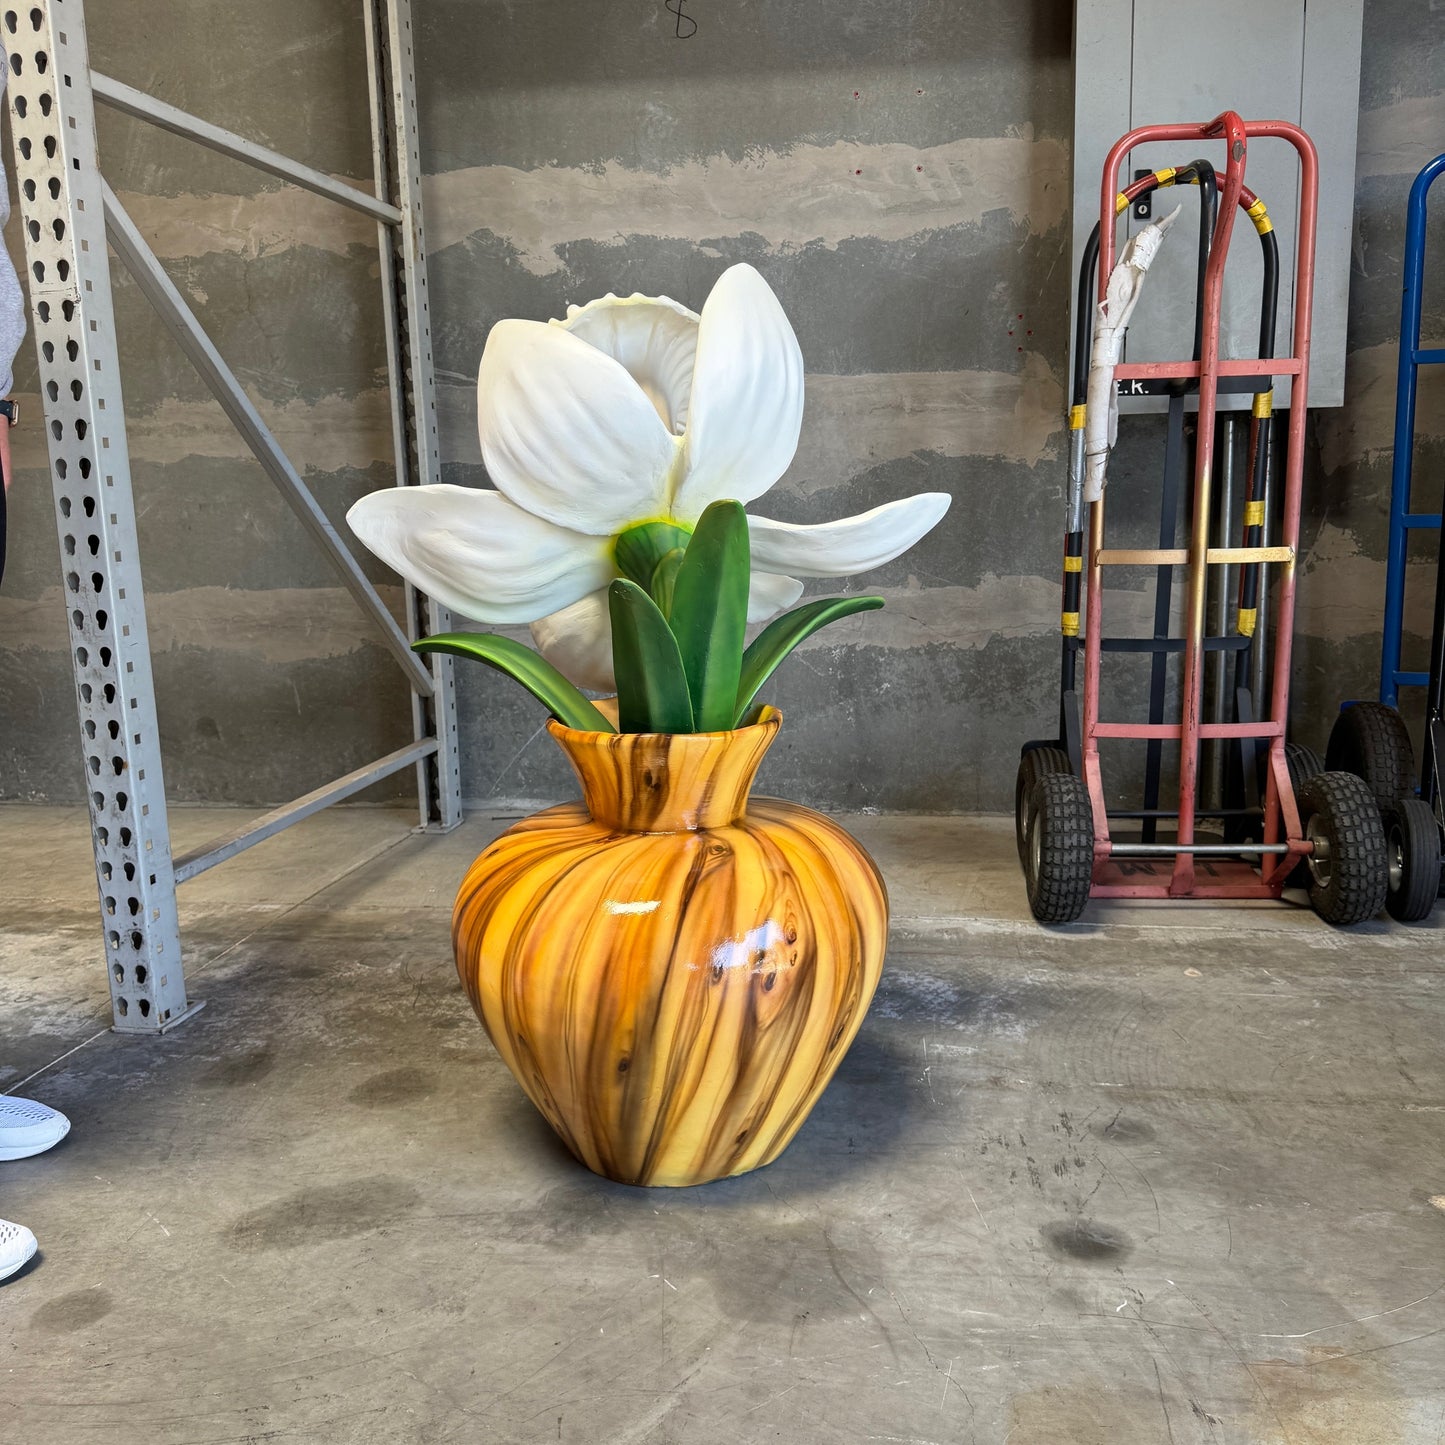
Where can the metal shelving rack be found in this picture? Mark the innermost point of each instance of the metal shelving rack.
(69, 215)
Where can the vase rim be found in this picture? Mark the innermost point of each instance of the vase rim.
(770, 718)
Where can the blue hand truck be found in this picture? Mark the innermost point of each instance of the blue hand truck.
(1371, 738)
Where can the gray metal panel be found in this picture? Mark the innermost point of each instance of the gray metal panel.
(1142, 62)
(1330, 113)
(1103, 79)
(53, 128)
(1262, 80)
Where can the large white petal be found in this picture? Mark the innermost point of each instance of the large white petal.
(478, 553)
(769, 594)
(747, 396)
(849, 545)
(654, 337)
(577, 641)
(567, 433)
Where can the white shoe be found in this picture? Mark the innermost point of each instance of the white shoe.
(17, 1244)
(28, 1128)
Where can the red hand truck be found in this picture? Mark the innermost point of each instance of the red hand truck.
(1319, 828)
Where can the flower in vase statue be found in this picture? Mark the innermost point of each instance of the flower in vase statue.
(608, 436)
(671, 968)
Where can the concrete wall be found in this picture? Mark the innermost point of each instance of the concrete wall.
(899, 172)
(269, 682)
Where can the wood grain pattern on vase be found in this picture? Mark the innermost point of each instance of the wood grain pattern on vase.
(671, 970)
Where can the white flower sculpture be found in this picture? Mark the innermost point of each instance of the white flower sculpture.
(632, 411)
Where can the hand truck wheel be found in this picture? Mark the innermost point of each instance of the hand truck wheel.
(1033, 764)
(1349, 876)
(1412, 854)
(1370, 740)
(1059, 847)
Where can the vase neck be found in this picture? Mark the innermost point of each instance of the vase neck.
(667, 782)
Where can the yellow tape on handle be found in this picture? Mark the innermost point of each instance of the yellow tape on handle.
(1161, 178)
(1260, 216)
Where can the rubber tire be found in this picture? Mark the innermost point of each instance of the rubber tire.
(1371, 741)
(1412, 852)
(1059, 859)
(1303, 764)
(1351, 886)
(1033, 764)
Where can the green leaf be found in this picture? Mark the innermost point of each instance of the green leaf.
(783, 634)
(664, 579)
(710, 613)
(523, 665)
(651, 685)
(639, 549)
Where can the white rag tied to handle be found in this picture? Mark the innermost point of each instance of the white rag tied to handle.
(1101, 418)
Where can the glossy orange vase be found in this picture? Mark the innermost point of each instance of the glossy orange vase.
(672, 970)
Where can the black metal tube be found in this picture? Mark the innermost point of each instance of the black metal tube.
(1201, 173)
(1084, 317)
(1260, 430)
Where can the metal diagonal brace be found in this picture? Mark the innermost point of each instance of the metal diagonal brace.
(130, 101)
(188, 865)
(159, 289)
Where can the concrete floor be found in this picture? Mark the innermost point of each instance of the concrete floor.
(1172, 1175)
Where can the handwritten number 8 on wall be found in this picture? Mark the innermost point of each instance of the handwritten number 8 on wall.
(683, 19)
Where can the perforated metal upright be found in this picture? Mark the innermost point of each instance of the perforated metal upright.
(396, 163)
(69, 213)
(65, 250)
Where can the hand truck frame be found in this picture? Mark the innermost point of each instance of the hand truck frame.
(1066, 844)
